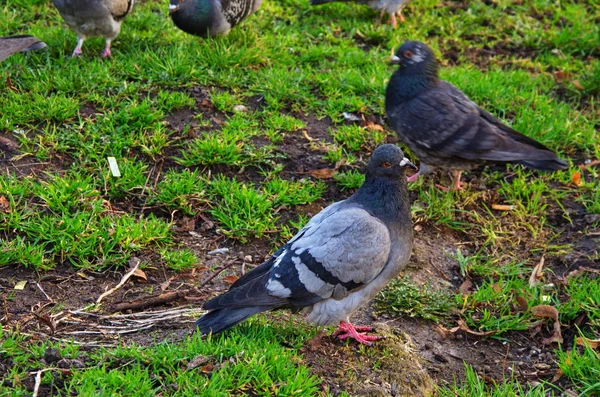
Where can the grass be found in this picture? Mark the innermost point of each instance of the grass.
(218, 128)
(240, 361)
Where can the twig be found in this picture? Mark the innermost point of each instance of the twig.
(152, 301)
(38, 380)
(215, 274)
(123, 280)
(44, 292)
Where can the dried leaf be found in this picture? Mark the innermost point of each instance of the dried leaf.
(536, 274)
(583, 341)
(323, 173)
(466, 286)
(9, 84)
(522, 303)
(308, 137)
(140, 274)
(547, 311)
(4, 205)
(503, 207)
(557, 375)
(589, 270)
(21, 285)
(230, 279)
(577, 85)
(561, 77)
(208, 368)
(374, 127)
(496, 288)
(197, 361)
(462, 326)
(576, 178)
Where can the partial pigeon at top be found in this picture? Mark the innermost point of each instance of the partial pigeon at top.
(340, 260)
(207, 18)
(13, 44)
(94, 18)
(446, 129)
(392, 7)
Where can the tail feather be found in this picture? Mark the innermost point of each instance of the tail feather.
(222, 319)
(546, 165)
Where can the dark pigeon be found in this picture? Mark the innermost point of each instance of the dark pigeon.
(94, 18)
(208, 18)
(340, 260)
(13, 44)
(392, 7)
(446, 129)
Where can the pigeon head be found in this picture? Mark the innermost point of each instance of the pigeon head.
(388, 161)
(415, 57)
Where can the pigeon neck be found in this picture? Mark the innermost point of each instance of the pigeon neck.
(407, 84)
(385, 198)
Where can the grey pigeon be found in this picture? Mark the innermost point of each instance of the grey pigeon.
(392, 7)
(13, 44)
(446, 129)
(340, 260)
(94, 18)
(207, 18)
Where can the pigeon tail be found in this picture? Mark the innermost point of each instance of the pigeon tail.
(546, 165)
(221, 319)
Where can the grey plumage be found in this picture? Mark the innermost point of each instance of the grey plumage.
(341, 259)
(94, 18)
(13, 44)
(207, 18)
(391, 7)
(446, 129)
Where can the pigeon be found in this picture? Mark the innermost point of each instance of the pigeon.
(444, 128)
(94, 18)
(340, 260)
(392, 7)
(13, 44)
(208, 18)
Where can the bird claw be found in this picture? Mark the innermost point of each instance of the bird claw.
(106, 53)
(413, 178)
(76, 52)
(347, 330)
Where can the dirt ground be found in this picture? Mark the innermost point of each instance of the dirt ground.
(49, 305)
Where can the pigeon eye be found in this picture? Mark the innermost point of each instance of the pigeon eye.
(385, 164)
(408, 54)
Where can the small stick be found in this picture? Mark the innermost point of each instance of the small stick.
(152, 301)
(215, 274)
(44, 292)
(123, 280)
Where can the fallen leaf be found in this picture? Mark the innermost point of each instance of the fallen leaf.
(583, 341)
(308, 137)
(166, 284)
(4, 205)
(503, 207)
(577, 85)
(522, 303)
(322, 173)
(9, 83)
(466, 286)
(462, 326)
(547, 311)
(589, 270)
(561, 77)
(557, 375)
(576, 178)
(20, 285)
(46, 320)
(208, 368)
(197, 361)
(374, 127)
(140, 274)
(230, 279)
(496, 288)
(536, 274)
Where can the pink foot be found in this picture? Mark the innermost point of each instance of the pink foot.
(394, 23)
(106, 53)
(77, 52)
(401, 17)
(347, 330)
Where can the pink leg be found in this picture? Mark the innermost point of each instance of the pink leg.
(77, 51)
(347, 330)
(455, 182)
(399, 13)
(106, 52)
(394, 23)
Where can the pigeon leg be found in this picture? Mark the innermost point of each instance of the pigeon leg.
(106, 52)
(399, 13)
(347, 330)
(455, 182)
(394, 23)
(77, 51)
(414, 177)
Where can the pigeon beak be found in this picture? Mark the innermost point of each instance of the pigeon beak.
(406, 163)
(395, 60)
(173, 8)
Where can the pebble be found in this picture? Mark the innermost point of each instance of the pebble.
(218, 251)
(52, 355)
